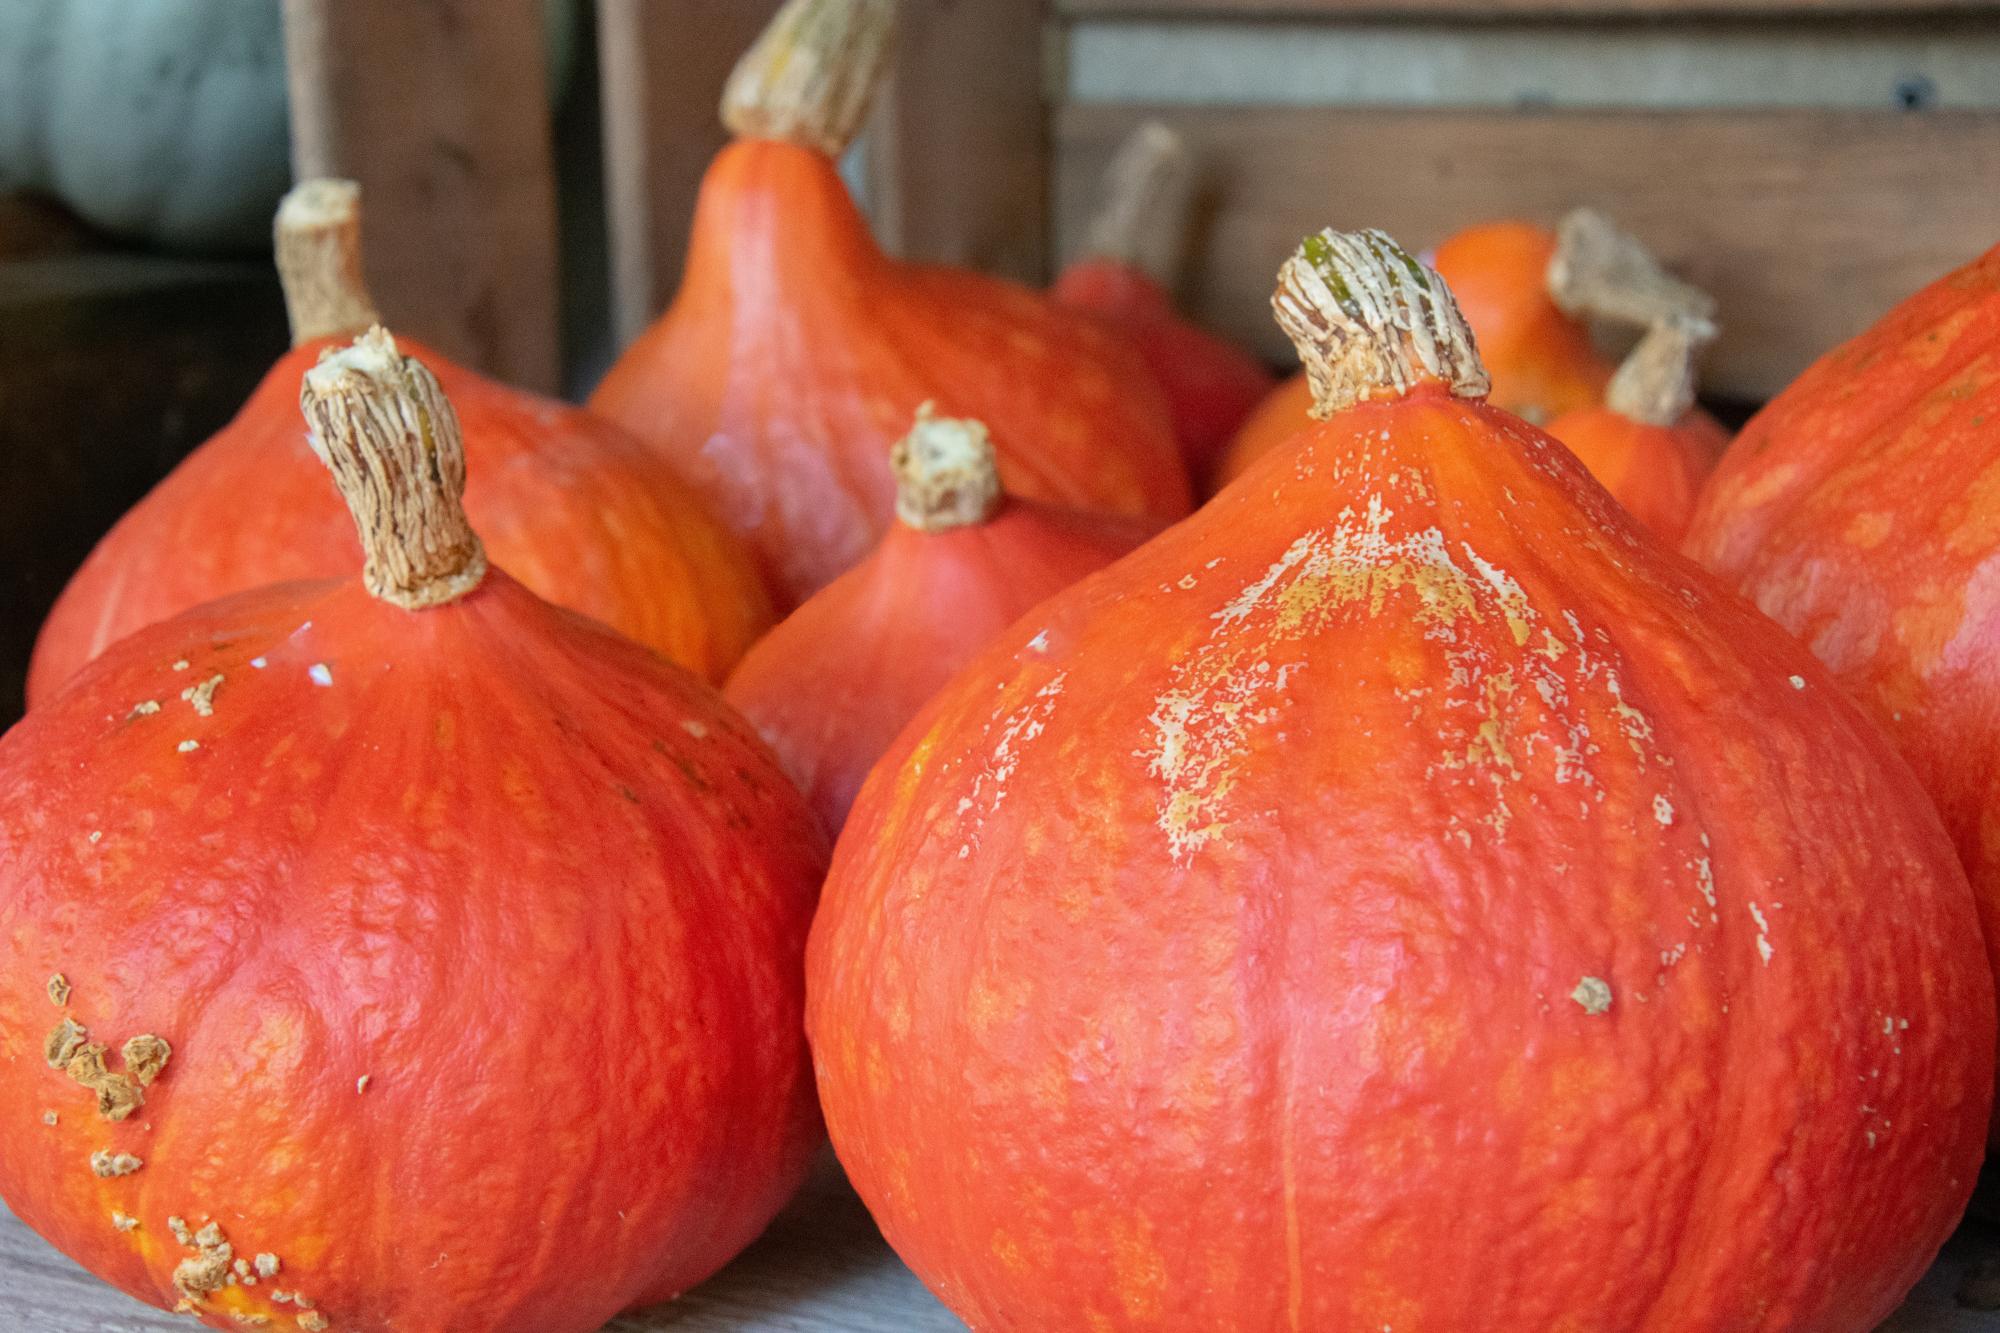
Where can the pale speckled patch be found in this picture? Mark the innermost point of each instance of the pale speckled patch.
(1017, 730)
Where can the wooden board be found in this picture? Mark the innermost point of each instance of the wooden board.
(821, 1268)
(957, 152)
(663, 63)
(441, 110)
(1806, 225)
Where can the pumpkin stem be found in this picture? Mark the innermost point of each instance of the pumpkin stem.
(1371, 322)
(1603, 270)
(946, 473)
(1142, 219)
(809, 78)
(1655, 385)
(382, 425)
(318, 241)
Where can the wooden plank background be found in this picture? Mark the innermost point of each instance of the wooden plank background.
(441, 109)
(663, 63)
(1806, 224)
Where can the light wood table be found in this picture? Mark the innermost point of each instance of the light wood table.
(821, 1268)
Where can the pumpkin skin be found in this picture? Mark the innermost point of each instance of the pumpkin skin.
(582, 512)
(796, 351)
(469, 929)
(1132, 254)
(834, 683)
(1219, 952)
(1859, 510)
(1211, 385)
(1647, 443)
(1274, 424)
(1655, 472)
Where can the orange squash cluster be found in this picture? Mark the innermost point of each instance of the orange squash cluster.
(1512, 859)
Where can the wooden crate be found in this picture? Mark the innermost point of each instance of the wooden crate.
(1809, 161)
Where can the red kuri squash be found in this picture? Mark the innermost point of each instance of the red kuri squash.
(1861, 510)
(1527, 292)
(411, 954)
(831, 686)
(578, 510)
(1647, 443)
(1403, 895)
(1125, 278)
(795, 352)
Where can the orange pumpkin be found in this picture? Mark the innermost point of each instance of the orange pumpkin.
(573, 506)
(1648, 444)
(1402, 895)
(1526, 291)
(831, 686)
(795, 352)
(1124, 278)
(409, 953)
(1861, 510)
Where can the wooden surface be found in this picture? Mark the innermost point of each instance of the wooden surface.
(663, 63)
(821, 1268)
(1806, 225)
(957, 149)
(440, 108)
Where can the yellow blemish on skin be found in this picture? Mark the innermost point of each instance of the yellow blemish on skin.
(1594, 994)
(145, 708)
(109, 1165)
(202, 697)
(58, 990)
(123, 1222)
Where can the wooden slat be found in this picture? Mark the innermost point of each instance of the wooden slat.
(440, 109)
(663, 64)
(1459, 11)
(958, 148)
(1806, 225)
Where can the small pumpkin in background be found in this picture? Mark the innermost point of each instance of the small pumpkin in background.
(1366, 906)
(1860, 509)
(392, 934)
(1125, 277)
(1528, 294)
(574, 507)
(796, 351)
(1647, 443)
(831, 686)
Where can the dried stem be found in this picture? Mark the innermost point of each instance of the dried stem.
(381, 423)
(810, 77)
(1602, 270)
(946, 473)
(1142, 219)
(1655, 385)
(1371, 322)
(318, 242)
